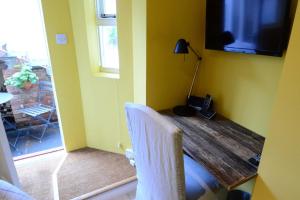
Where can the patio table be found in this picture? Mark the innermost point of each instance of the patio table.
(5, 97)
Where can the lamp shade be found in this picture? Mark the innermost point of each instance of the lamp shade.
(181, 47)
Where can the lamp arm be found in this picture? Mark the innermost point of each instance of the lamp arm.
(195, 75)
(198, 56)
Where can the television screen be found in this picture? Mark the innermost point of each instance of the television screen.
(247, 26)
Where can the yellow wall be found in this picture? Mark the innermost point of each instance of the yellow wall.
(139, 35)
(63, 59)
(103, 98)
(279, 171)
(243, 86)
(168, 76)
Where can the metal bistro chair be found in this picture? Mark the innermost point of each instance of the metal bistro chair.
(37, 111)
(9, 125)
(8, 118)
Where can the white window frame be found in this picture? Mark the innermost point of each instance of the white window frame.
(104, 20)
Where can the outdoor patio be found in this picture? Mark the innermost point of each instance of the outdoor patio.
(27, 96)
(28, 145)
(28, 114)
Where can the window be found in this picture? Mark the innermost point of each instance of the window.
(108, 36)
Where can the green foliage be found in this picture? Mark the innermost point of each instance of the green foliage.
(113, 36)
(18, 79)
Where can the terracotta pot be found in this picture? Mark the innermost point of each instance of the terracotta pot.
(27, 85)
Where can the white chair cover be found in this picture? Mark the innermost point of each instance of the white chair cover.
(157, 144)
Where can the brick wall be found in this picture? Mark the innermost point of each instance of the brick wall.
(26, 98)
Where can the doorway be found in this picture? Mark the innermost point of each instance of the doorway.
(29, 113)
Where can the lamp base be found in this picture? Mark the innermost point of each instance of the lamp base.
(184, 111)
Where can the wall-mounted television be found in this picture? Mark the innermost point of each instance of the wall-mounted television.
(248, 26)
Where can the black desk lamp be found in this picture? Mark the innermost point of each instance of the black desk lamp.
(182, 47)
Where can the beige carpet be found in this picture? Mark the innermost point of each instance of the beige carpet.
(35, 174)
(87, 170)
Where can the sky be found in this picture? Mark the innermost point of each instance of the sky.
(22, 29)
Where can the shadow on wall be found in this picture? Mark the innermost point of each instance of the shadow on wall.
(260, 186)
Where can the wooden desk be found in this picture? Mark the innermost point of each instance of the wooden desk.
(220, 145)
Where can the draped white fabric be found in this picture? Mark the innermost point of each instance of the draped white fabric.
(10, 192)
(158, 155)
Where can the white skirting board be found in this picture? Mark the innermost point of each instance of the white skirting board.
(112, 191)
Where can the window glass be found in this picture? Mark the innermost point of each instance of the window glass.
(109, 7)
(109, 47)
(22, 32)
(108, 37)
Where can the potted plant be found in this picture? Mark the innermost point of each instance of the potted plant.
(23, 79)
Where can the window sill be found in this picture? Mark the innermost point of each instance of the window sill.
(107, 75)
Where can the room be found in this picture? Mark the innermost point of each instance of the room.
(258, 92)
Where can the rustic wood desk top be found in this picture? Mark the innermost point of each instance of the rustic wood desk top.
(220, 145)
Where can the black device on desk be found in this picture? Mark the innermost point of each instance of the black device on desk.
(203, 106)
(255, 160)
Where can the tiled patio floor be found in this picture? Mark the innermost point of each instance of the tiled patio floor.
(28, 145)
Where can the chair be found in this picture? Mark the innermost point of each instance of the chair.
(38, 110)
(163, 172)
(9, 122)
(8, 117)
(11, 192)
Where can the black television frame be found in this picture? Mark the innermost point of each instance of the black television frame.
(283, 45)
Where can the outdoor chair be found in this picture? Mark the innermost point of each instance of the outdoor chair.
(9, 123)
(38, 111)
